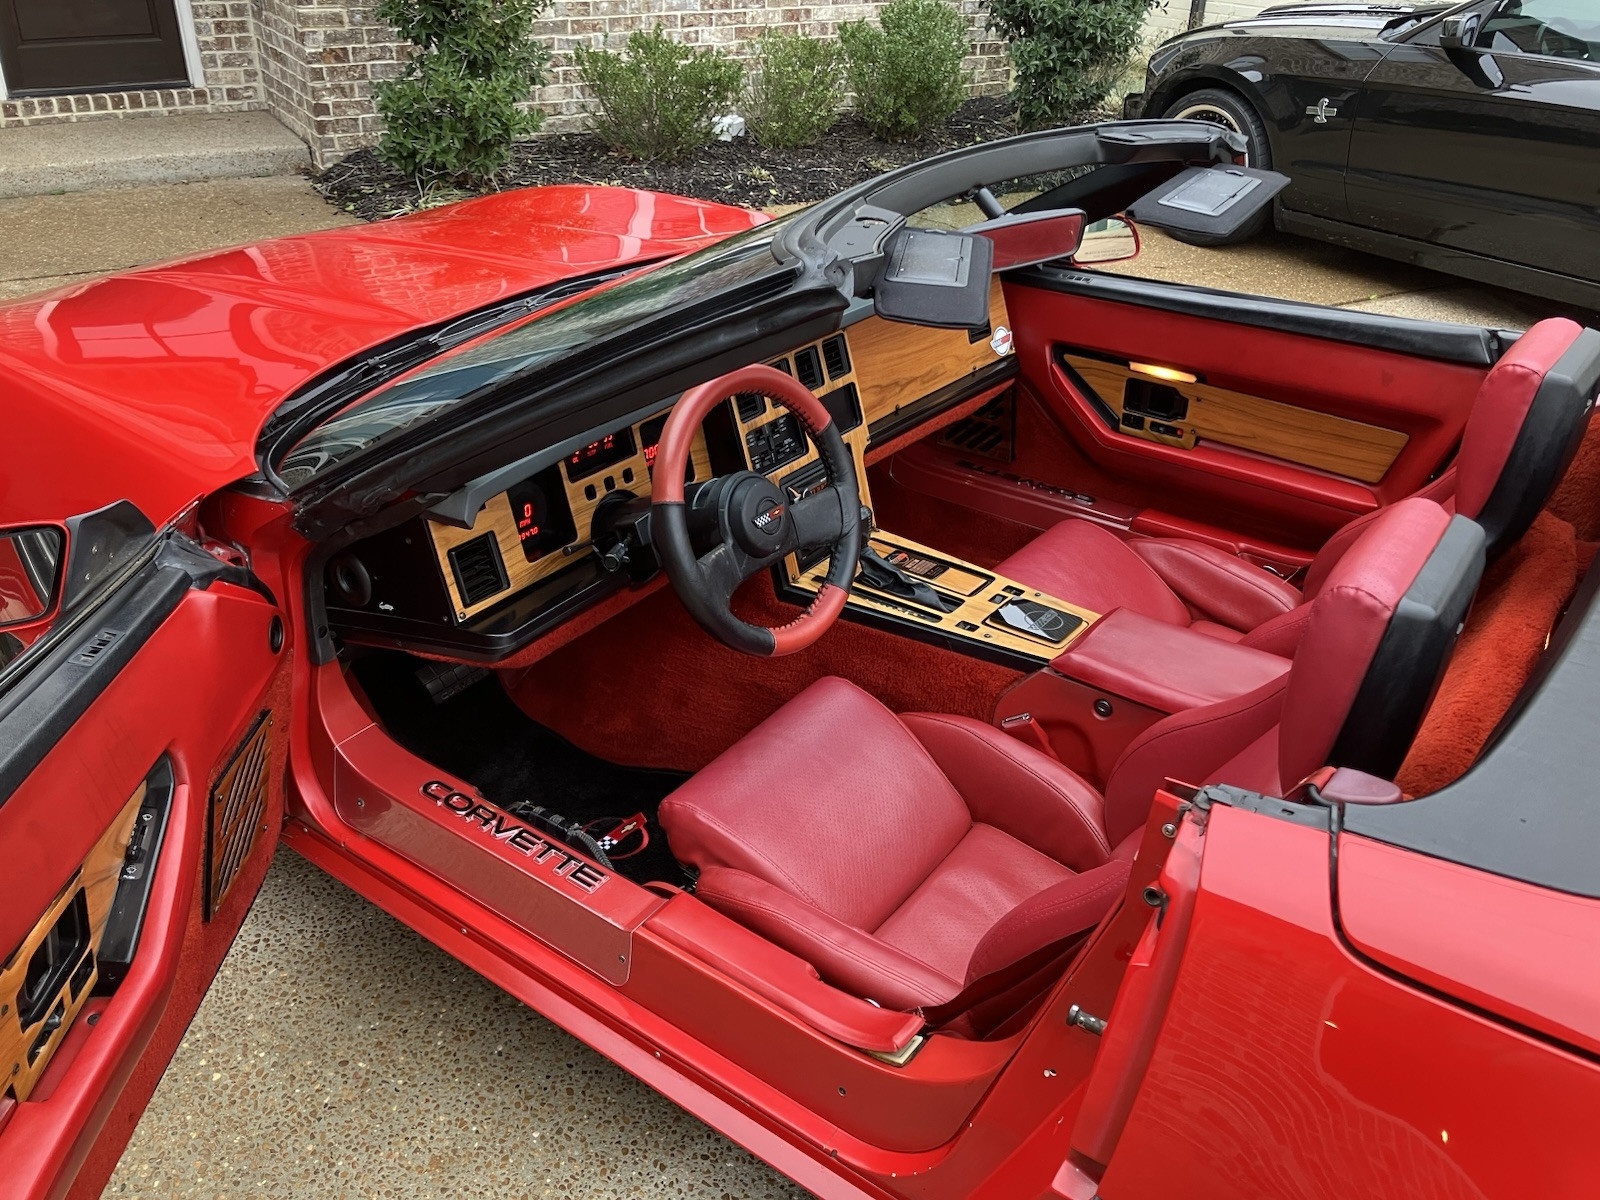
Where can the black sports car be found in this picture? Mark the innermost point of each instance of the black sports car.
(1461, 137)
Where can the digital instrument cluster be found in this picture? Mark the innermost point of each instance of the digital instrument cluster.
(542, 515)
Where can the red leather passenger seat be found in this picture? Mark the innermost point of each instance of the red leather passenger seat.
(910, 857)
(1517, 443)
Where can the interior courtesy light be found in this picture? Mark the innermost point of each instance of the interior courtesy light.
(1170, 374)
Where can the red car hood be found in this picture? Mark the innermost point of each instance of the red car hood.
(152, 385)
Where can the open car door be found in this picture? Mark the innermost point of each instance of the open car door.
(142, 722)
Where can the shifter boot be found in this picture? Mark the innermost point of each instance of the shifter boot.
(882, 575)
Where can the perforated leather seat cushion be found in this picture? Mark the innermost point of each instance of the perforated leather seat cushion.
(835, 828)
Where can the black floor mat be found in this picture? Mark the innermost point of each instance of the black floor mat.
(483, 737)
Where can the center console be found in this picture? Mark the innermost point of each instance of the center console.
(934, 597)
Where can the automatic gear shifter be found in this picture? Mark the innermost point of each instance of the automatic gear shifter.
(882, 575)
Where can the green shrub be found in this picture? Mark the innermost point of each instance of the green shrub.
(906, 71)
(1067, 54)
(659, 99)
(793, 95)
(459, 105)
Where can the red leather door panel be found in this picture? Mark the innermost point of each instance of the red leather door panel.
(1229, 486)
(183, 730)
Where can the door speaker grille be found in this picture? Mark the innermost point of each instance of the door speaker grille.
(236, 812)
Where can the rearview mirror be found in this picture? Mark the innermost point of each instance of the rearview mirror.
(1114, 239)
(30, 569)
(1027, 239)
(1460, 32)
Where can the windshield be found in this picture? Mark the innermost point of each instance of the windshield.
(456, 380)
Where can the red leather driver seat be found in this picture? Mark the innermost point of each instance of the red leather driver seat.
(1518, 440)
(910, 858)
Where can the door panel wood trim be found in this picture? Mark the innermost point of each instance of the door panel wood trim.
(1323, 441)
(25, 1050)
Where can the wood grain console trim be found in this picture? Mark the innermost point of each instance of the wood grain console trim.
(1298, 435)
(975, 606)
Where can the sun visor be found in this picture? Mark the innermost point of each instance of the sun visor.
(935, 277)
(1215, 201)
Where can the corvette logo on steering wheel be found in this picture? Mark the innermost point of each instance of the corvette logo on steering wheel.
(767, 521)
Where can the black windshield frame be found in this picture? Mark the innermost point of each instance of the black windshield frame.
(488, 371)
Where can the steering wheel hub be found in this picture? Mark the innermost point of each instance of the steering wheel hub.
(757, 515)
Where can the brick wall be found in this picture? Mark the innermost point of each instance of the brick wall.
(729, 25)
(320, 60)
(313, 63)
(1175, 17)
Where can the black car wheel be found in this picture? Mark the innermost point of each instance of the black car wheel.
(1228, 110)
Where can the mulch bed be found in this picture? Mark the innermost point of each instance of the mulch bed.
(736, 172)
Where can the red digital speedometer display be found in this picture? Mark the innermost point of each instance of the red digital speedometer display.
(542, 515)
(650, 438)
(599, 454)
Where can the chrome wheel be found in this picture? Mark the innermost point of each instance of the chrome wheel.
(1216, 115)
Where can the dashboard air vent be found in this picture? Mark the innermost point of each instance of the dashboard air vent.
(808, 368)
(750, 405)
(479, 571)
(836, 355)
(781, 364)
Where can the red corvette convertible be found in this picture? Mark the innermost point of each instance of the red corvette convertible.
(959, 722)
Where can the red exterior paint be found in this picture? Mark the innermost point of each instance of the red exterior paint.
(160, 379)
(1284, 1064)
(1525, 953)
(1288, 1067)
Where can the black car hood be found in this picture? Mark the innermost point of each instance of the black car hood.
(1349, 21)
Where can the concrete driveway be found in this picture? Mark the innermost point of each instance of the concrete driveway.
(1292, 268)
(339, 1054)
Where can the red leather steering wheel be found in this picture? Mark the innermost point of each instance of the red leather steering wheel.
(725, 530)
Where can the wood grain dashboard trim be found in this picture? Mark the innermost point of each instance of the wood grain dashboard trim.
(583, 497)
(1304, 436)
(897, 365)
(891, 365)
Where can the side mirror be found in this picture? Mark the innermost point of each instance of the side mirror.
(1115, 239)
(1028, 239)
(1460, 32)
(30, 573)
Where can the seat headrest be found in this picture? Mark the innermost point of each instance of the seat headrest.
(1525, 425)
(1377, 640)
